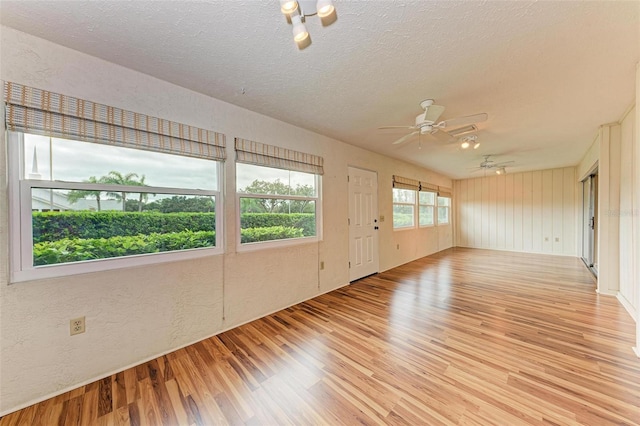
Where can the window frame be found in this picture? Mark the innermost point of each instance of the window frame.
(448, 207)
(413, 207)
(433, 206)
(21, 224)
(260, 245)
(416, 209)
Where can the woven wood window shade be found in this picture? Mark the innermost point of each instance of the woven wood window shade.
(444, 192)
(405, 183)
(45, 113)
(428, 187)
(250, 152)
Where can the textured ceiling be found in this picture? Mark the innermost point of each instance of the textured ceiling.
(547, 73)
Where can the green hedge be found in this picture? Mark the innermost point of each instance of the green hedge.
(252, 235)
(78, 249)
(54, 226)
(305, 221)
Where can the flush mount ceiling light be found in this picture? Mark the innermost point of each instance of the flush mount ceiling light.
(298, 11)
(501, 171)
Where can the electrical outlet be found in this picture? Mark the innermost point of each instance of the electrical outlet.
(321, 264)
(381, 218)
(397, 246)
(77, 326)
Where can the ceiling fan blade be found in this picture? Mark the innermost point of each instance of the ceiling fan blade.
(463, 121)
(503, 163)
(396, 127)
(433, 113)
(405, 138)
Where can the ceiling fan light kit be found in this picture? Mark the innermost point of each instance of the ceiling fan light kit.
(468, 140)
(298, 11)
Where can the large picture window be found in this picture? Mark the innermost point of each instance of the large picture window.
(79, 202)
(94, 188)
(277, 205)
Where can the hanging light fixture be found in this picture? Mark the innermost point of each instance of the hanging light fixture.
(300, 32)
(501, 171)
(325, 8)
(288, 6)
(298, 10)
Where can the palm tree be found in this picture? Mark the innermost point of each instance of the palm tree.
(144, 196)
(77, 194)
(117, 178)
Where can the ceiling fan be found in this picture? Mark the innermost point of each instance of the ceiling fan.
(488, 164)
(427, 123)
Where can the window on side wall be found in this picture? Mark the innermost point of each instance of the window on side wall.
(418, 204)
(79, 206)
(444, 213)
(277, 205)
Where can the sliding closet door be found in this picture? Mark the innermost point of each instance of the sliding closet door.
(590, 222)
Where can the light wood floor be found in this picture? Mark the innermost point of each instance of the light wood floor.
(461, 337)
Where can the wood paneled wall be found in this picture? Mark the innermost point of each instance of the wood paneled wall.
(534, 212)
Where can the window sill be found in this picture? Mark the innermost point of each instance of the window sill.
(110, 264)
(265, 245)
(405, 228)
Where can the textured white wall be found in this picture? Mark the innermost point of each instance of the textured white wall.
(138, 313)
(532, 212)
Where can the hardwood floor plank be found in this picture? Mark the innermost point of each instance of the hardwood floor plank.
(462, 337)
(105, 400)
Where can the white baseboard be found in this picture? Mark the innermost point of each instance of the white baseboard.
(628, 306)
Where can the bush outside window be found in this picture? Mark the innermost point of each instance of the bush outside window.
(276, 204)
(85, 206)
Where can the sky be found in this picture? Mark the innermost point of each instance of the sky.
(77, 161)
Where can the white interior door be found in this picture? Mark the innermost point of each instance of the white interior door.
(363, 223)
